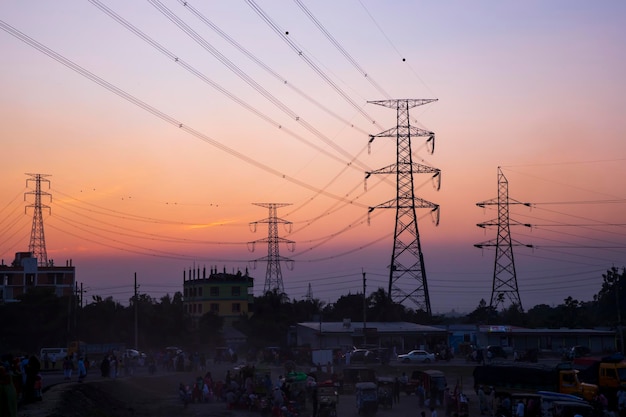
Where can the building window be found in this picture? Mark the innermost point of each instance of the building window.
(200, 291)
(215, 308)
(235, 291)
(199, 308)
(215, 291)
(236, 308)
(193, 308)
(186, 293)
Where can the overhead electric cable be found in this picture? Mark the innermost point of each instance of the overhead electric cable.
(340, 48)
(137, 248)
(282, 34)
(266, 67)
(147, 236)
(174, 58)
(159, 114)
(394, 47)
(247, 79)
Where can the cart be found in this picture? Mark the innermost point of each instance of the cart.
(297, 384)
(327, 399)
(385, 391)
(366, 398)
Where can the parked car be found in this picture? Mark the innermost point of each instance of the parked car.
(363, 356)
(417, 356)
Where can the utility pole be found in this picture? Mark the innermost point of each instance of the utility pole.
(504, 276)
(273, 275)
(364, 314)
(75, 305)
(136, 298)
(37, 245)
(407, 273)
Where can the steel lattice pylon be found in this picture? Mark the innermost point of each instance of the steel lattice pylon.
(504, 276)
(273, 275)
(37, 245)
(407, 274)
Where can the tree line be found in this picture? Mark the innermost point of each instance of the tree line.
(42, 319)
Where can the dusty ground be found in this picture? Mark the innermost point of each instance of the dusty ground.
(156, 396)
(138, 397)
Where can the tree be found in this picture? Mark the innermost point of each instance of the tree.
(348, 306)
(383, 308)
(482, 314)
(611, 307)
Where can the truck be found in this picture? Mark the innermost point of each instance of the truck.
(562, 378)
(608, 372)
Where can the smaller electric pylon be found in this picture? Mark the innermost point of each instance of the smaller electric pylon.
(504, 284)
(37, 245)
(273, 275)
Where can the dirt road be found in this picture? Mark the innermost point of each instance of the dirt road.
(157, 396)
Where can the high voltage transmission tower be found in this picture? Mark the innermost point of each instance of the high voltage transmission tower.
(407, 274)
(504, 276)
(273, 275)
(37, 244)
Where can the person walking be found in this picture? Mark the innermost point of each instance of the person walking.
(482, 400)
(396, 390)
(8, 394)
(519, 409)
(68, 367)
(82, 369)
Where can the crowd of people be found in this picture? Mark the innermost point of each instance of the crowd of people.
(21, 382)
(249, 389)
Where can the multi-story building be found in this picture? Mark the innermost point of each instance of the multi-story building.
(228, 295)
(24, 274)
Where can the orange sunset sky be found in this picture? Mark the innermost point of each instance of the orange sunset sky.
(161, 123)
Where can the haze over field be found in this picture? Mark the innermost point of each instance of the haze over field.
(161, 123)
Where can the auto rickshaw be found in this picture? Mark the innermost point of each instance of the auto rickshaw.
(385, 391)
(366, 398)
(327, 399)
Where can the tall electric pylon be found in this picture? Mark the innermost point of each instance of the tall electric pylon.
(504, 276)
(407, 274)
(273, 275)
(37, 244)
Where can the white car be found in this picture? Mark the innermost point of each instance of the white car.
(417, 356)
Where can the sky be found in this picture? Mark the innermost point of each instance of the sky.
(161, 124)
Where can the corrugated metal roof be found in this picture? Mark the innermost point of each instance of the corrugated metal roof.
(381, 327)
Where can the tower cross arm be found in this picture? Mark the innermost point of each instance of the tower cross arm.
(494, 202)
(410, 102)
(393, 132)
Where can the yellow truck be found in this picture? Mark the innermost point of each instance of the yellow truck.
(608, 372)
(562, 378)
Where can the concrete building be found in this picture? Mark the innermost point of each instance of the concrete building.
(228, 295)
(24, 274)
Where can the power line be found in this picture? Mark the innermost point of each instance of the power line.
(163, 116)
(341, 49)
(284, 36)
